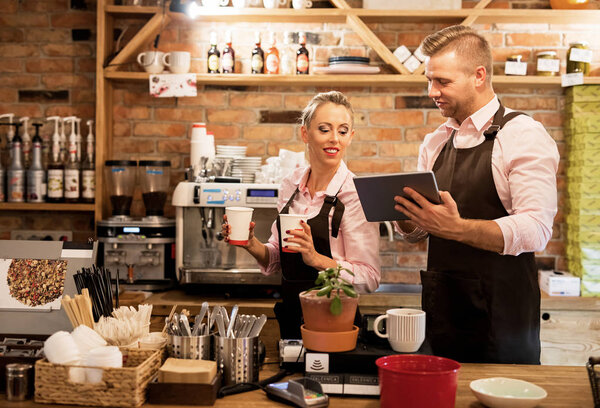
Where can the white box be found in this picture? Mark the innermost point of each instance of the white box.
(412, 5)
(557, 283)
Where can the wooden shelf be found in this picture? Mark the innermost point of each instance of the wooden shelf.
(47, 207)
(341, 80)
(487, 16)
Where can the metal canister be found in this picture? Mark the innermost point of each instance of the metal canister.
(17, 381)
(577, 66)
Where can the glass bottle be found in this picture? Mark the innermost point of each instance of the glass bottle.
(88, 169)
(302, 56)
(272, 58)
(288, 56)
(258, 56)
(36, 176)
(15, 175)
(228, 58)
(72, 170)
(214, 55)
(576, 65)
(56, 173)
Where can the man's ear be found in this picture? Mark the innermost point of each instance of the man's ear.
(480, 75)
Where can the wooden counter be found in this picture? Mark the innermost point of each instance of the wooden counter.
(566, 387)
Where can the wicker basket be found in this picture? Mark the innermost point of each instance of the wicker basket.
(120, 387)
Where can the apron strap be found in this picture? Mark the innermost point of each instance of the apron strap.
(286, 207)
(499, 121)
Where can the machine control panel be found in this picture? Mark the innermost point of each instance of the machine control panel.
(234, 194)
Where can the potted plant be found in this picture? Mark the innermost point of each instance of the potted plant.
(330, 306)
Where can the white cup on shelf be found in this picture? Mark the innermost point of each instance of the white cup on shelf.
(151, 61)
(245, 3)
(214, 3)
(178, 62)
(274, 3)
(301, 4)
(405, 329)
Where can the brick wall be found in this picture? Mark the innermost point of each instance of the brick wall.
(390, 123)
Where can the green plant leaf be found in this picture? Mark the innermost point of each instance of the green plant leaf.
(349, 291)
(336, 306)
(325, 291)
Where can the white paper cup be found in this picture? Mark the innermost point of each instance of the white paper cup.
(289, 222)
(239, 218)
(405, 329)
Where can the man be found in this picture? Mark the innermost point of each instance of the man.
(496, 170)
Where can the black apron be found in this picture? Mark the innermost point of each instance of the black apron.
(481, 306)
(296, 275)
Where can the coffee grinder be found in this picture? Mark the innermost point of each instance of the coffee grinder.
(140, 251)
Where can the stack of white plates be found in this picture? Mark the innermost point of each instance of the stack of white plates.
(231, 151)
(246, 168)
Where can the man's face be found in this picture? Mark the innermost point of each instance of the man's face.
(450, 86)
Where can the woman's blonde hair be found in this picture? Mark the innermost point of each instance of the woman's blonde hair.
(334, 97)
(469, 46)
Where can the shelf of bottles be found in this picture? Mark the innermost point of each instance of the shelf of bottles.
(74, 207)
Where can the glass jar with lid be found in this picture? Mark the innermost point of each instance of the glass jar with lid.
(515, 65)
(577, 61)
(514, 58)
(548, 63)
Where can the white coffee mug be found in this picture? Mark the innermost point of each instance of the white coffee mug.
(214, 3)
(405, 329)
(301, 4)
(274, 3)
(178, 62)
(245, 3)
(151, 61)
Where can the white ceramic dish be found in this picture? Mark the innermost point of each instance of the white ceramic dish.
(500, 392)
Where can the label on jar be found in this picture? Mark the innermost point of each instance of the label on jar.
(88, 184)
(272, 63)
(257, 63)
(548, 65)
(581, 55)
(227, 63)
(515, 68)
(71, 183)
(573, 79)
(55, 183)
(213, 63)
(302, 63)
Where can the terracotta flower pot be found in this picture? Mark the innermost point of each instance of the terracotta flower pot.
(317, 317)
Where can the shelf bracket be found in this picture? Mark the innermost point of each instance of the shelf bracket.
(150, 29)
(375, 43)
(341, 4)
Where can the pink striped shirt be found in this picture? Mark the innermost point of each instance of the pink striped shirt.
(524, 164)
(357, 244)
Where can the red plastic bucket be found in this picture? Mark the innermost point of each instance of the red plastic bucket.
(417, 381)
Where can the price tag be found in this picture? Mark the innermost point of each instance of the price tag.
(580, 55)
(173, 85)
(571, 79)
(548, 65)
(515, 68)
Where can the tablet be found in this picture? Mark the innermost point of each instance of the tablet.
(377, 193)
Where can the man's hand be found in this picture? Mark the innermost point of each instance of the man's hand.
(444, 221)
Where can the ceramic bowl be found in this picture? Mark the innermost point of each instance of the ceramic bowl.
(500, 392)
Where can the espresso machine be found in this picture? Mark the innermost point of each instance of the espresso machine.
(201, 258)
(140, 251)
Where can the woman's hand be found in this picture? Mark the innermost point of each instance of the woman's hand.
(226, 231)
(310, 256)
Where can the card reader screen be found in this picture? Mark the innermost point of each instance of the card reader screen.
(260, 192)
(131, 230)
(281, 386)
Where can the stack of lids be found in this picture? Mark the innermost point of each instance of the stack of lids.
(347, 65)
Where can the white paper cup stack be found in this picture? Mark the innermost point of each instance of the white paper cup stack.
(60, 348)
(107, 357)
(87, 339)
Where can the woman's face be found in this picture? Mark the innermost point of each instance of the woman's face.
(329, 134)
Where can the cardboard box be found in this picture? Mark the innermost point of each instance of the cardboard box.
(557, 283)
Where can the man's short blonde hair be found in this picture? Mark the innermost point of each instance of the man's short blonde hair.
(334, 97)
(468, 45)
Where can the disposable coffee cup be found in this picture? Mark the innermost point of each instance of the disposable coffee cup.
(405, 329)
(239, 218)
(290, 222)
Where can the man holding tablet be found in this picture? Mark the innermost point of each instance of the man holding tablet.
(496, 171)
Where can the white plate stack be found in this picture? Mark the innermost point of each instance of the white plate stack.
(246, 168)
(231, 151)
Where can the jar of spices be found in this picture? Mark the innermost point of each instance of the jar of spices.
(548, 64)
(576, 65)
(514, 65)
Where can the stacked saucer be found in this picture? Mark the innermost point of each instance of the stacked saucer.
(347, 65)
(231, 151)
(246, 168)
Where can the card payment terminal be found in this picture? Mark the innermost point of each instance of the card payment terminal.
(301, 392)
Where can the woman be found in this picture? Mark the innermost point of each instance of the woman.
(336, 232)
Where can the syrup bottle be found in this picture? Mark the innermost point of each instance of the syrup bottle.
(302, 56)
(258, 56)
(228, 58)
(214, 55)
(272, 59)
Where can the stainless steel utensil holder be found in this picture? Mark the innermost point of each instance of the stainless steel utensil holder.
(237, 359)
(191, 347)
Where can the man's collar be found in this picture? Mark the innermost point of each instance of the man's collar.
(480, 118)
